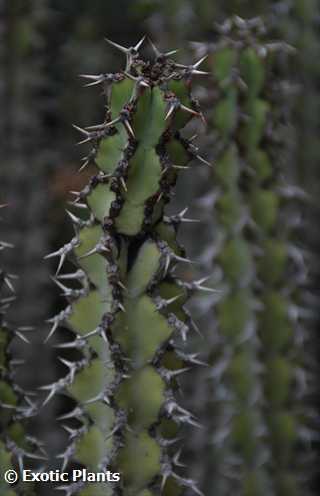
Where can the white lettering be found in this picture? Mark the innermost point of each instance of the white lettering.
(76, 475)
(27, 476)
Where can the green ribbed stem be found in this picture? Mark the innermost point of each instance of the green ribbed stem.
(239, 447)
(127, 317)
(257, 262)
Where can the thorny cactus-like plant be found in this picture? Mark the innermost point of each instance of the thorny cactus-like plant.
(7, 393)
(281, 272)
(15, 404)
(127, 317)
(261, 374)
(239, 450)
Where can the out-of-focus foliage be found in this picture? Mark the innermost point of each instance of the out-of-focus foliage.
(16, 404)
(26, 154)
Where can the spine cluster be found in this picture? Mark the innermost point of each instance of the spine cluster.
(125, 310)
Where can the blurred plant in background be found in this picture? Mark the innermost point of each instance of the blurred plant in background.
(27, 155)
(17, 446)
(262, 383)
